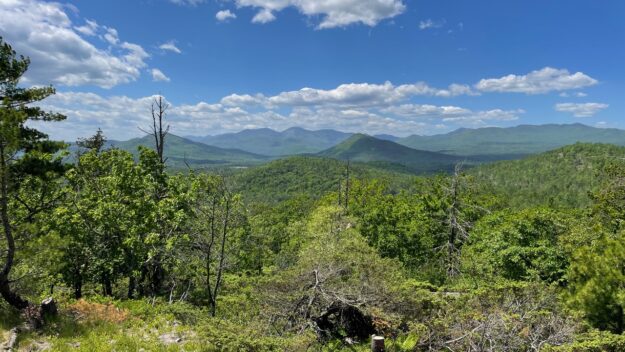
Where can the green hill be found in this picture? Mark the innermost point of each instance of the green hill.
(310, 176)
(179, 151)
(269, 142)
(364, 148)
(561, 177)
(512, 142)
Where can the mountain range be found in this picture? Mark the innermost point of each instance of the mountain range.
(266, 141)
(519, 140)
(181, 152)
(420, 154)
(504, 143)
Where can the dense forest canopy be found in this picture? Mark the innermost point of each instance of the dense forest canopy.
(301, 253)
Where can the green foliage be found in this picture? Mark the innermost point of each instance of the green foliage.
(29, 167)
(522, 245)
(310, 177)
(559, 178)
(115, 218)
(597, 284)
(592, 342)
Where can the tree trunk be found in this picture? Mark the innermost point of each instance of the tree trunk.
(11, 297)
(132, 285)
(107, 287)
(77, 287)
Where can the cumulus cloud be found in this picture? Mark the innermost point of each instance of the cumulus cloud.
(541, 81)
(159, 76)
(333, 13)
(59, 51)
(225, 15)
(264, 16)
(581, 109)
(170, 46)
(364, 94)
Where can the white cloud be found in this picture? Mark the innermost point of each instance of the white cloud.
(244, 100)
(170, 46)
(159, 76)
(225, 15)
(333, 13)
(537, 82)
(453, 113)
(364, 94)
(90, 28)
(59, 51)
(429, 23)
(264, 16)
(581, 109)
(119, 116)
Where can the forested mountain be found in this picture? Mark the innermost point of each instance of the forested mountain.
(269, 142)
(364, 148)
(310, 176)
(513, 141)
(563, 177)
(181, 151)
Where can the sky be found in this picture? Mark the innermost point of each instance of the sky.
(398, 67)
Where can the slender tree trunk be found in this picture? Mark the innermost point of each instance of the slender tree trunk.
(132, 285)
(77, 285)
(107, 286)
(220, 268)
(7, 293)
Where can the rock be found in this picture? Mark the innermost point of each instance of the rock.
(170, 338)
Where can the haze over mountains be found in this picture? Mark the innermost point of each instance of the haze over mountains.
(421, 154)
(520, 140)
(273, 143)
(181, 151)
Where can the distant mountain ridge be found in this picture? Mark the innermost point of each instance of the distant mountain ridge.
(266, 141)
(368, 149)
(181, 151)
(489, 143)
(511, 141)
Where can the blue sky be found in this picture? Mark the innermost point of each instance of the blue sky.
(375, 66)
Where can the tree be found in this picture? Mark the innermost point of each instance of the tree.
(113, 224)
(215, 213)
(520, 245)
(596, 275)
(455, 204)
(95, 142)
(25, 152)
(597, 283)
(159, 130)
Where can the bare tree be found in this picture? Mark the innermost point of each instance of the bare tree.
(457, 226)
(159, 129)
